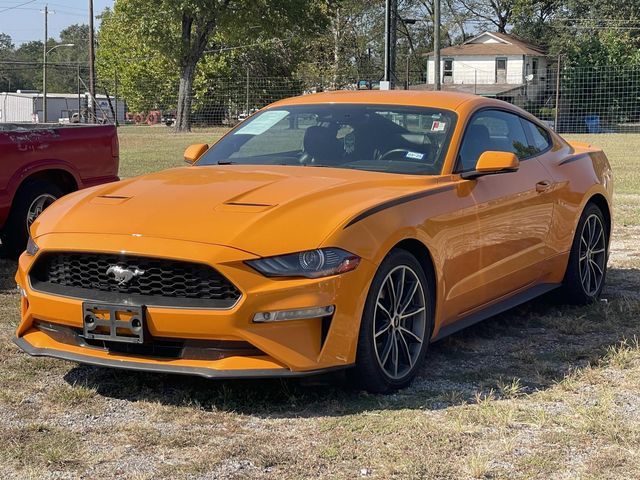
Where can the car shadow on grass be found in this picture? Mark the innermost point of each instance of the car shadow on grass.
(521, 351)
(8, 269)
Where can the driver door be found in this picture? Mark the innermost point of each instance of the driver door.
(513, 211)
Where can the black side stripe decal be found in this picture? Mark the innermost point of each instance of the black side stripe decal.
(574, 158)
(398, 201)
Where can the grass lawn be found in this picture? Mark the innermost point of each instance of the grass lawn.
(542, 391)
(146, 149)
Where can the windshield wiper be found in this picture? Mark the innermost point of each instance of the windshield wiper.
(226, 162)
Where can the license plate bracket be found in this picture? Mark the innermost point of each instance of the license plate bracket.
(113, 323)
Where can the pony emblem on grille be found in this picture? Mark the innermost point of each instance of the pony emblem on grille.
(123, 275)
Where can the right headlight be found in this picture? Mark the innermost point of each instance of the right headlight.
(322, 262)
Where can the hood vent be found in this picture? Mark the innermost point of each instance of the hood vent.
(109, 199)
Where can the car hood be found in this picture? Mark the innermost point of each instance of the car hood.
(261, 210)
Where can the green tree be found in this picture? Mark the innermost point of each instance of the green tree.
(6, 52)
(146, 78)
(349, 48)
(28, 74)
(62, 73)
(182, 31)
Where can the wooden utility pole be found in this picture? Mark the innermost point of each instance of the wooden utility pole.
(44, 64)
(387, 41)
(556, 115)
(390, 34)
(92, 61)
(436, 44)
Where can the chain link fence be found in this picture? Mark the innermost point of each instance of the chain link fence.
(600, 105)
(573, 101)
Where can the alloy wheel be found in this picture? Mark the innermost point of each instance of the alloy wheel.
(400, 322)
(592, 258)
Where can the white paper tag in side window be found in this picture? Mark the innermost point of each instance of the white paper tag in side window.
(261, 123)
(438, 126)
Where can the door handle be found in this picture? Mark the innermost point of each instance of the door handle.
(543, 186)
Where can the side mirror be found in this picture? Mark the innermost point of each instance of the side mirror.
(194, 152)
(491, 163)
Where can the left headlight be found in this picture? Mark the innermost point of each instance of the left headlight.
(32, 247)
(322, 262)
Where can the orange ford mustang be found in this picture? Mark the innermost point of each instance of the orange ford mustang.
(328, 231)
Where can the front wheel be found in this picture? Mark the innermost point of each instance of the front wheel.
(587, 268)
(396, 325)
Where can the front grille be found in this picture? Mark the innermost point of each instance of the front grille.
(155, 281)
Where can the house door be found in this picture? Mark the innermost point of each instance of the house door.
(447, 71)
(501, 70)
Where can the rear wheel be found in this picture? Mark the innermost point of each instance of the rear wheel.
(396, 325)
(587, 266)
(30, 201)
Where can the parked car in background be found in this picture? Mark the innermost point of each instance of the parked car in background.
(169, 118)
(41, 163)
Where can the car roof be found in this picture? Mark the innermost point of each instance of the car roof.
(445, 100)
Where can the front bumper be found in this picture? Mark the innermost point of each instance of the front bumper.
(145, 366)
(282, 349)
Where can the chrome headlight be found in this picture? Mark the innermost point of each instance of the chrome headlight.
(322, 262)
(32, 247)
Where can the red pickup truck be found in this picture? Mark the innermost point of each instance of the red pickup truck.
(41, 163)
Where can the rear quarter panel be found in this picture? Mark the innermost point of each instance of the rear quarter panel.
(581, 173)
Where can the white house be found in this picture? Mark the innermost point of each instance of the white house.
(495, 65)
(26, 106)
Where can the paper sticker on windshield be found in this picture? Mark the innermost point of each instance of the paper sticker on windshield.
(262, 122)
(415, 155)
(438, 126)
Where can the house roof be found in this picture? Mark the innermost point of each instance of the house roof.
(493, 43)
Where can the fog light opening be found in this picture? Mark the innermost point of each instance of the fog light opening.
(295, 314)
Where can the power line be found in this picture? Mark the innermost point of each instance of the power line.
(17, 6)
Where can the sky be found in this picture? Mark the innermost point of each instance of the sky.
(23, 20)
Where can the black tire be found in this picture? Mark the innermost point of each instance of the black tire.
(587, 267)
(378, 375)
(16, 231)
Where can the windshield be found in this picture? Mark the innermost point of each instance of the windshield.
(394, 139)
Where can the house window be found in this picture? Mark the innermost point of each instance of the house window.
(447, 71)
(534, 69)
(501, 70)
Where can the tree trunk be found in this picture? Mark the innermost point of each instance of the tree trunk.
(336, 49)
(185, 97)
(193, 45)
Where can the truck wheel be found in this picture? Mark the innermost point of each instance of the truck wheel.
(30, 201)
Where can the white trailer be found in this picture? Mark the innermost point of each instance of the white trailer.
(61, 107)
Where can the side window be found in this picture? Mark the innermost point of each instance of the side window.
(538, 137)
(492, 130)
